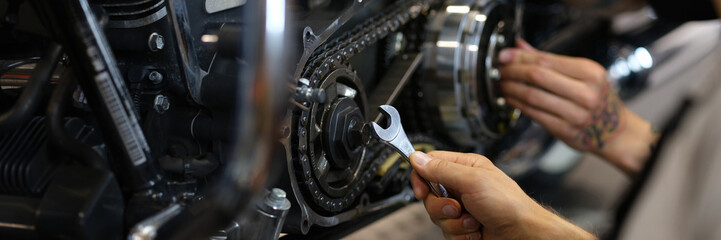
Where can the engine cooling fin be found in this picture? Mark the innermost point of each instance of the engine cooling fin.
(23, 169)
(26, 163)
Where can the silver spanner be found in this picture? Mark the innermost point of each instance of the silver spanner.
(396, 137)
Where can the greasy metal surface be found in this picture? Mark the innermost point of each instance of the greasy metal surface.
(320, 59)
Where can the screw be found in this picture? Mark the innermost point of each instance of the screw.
(494, 74)
(161, 103)
(501, 101)
(155, 77)
(156, 42)
(501, 40)
(276, 198)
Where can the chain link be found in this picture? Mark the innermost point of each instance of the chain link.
(334, 55)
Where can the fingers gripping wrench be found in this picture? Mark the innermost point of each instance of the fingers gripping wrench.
(396, 137)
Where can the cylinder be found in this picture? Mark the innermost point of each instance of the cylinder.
(267, 221)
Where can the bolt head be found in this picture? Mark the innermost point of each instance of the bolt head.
(501, 101)
(277, 194)
(276, 199)
(155, 77)
(156, 42)
(339, 133)
(501, 40)
(494, 74)
(162, 103)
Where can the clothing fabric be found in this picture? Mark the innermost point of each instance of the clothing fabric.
(681, 197)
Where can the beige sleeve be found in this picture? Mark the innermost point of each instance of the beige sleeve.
(682, 197)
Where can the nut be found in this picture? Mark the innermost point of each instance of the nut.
(156, 42)
(162, 103)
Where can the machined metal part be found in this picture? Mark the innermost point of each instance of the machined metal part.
(467, 35)
(155, 77)
(307, 94)
(333, 160)
(213, 6)
(495, 43)
(156, 42)
(396, 137)
(231, 232)
(261, 91)
(345, 90)
(133, 14)
(187, 55)
(267, 221)
(77, 25)
(161, 103)
(321, 59)
(148, 228)
(312, 40)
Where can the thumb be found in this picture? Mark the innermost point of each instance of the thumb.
(451, 175)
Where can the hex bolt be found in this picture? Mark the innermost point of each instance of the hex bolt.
(156, 42)
(501, 101)
(276, 198)
(501, 40)
(398, 43)
(355, 133)
(162, 103)
(494, 74)
(155, 77)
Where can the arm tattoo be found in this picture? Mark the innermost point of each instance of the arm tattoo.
(605, 123)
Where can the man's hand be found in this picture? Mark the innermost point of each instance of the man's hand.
(495, 206)
(572, 99)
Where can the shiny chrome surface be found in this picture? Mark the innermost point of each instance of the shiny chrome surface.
(260, 83)
(190, 69)
(148, 228)
(469, 35)
(213, 6)
(395, 137)
(158, 10)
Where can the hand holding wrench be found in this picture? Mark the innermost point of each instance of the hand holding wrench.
(396, 137)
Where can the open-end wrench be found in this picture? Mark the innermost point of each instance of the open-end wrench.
(396, 137)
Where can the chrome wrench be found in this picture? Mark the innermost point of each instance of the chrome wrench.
(396, 137)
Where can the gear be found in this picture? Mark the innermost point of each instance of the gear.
(458, 95)
(336, 168)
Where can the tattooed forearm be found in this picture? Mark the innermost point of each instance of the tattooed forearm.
(605, 122)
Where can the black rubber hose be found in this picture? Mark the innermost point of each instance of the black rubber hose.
(16, 63)
(10, 65)
(32, 94)
(58, 136)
